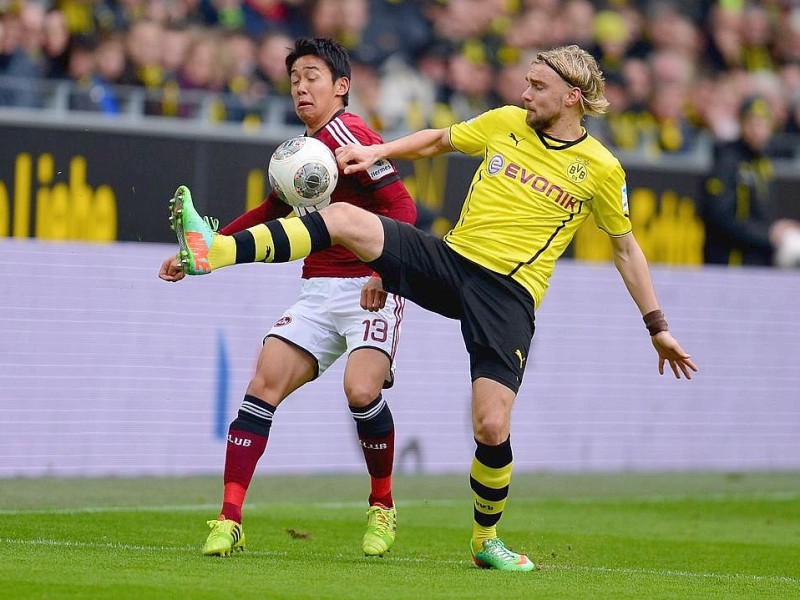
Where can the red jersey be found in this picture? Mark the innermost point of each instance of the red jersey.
(378, 190)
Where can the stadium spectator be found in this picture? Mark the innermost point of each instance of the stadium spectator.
(510, 81)
(202, 71)
(21, 57)
(174, 43)
(80, 69)
(470, 82)
(270, 80)
(611, 38)
(144, 69)
(242, 101)
(365, 98)
(327, 321)
(672, 132)
(738, 207)
(725, 46)
(757, 38)
(55, 44)
(531, 29)
(578, 18)
(109, 68)
(492, 270)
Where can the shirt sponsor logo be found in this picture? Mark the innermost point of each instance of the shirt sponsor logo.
(380, 169)
(536, 182)
(495, 164)
(284, 320)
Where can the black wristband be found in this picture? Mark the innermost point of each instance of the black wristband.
(655, 322)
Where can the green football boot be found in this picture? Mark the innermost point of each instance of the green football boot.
(495, 555)
(226, 537)
(381, 529)
(194, 233)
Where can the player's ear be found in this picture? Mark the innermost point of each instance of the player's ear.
(574, 97)
(342, 86)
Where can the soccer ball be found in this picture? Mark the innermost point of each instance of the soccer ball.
(787, 256)
(303, 172)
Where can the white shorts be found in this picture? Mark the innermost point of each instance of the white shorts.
(327, 320)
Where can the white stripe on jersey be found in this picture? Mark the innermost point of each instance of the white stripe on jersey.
(400, 303)
(341, 133)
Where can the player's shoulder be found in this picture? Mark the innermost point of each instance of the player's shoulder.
(502, 115)
(599, 152)
(348, 128)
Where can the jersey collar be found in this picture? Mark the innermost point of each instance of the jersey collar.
(552, 143)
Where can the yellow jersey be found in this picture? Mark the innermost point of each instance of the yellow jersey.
(530, 195)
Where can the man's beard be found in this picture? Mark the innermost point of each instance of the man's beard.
(539, 122)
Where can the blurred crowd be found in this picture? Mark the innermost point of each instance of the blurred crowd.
(676, 70)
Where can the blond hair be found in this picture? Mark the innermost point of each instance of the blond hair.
(579, 69)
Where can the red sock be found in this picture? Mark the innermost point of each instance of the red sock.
(241, 457)
(379, 456)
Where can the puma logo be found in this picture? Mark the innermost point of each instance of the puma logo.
(521, 357)
(514, 138)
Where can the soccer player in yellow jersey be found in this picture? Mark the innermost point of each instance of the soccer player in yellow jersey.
(541, 176)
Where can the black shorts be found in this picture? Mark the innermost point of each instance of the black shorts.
(496, 312)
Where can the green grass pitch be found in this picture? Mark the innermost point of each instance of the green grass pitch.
(653, 536)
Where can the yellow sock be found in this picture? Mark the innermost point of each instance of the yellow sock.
(481, 534)
(489, 490)
(281, 240)
(222, 252)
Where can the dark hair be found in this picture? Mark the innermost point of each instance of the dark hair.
(333, 53)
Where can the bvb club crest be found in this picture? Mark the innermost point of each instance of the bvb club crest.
(578, 170)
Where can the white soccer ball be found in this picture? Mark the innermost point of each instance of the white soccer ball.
(303, 172)
(787, 255)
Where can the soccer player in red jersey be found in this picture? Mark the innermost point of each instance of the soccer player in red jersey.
(310, 335)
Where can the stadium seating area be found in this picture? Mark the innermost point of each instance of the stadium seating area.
(676, 70)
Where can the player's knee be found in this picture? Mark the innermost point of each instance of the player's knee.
(339, 215)
(351, 226)
(490, 428)
(361, 393)
(261, 389)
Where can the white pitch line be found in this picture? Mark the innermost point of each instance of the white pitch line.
(650, 499)
(205, 507)
(437, 560)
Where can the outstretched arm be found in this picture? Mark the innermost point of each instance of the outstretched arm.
(422, 144)
(632, 266)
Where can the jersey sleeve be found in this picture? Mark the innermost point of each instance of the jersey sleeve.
(398, 202)
(469, 137)
(610, 204)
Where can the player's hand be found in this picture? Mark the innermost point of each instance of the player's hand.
(373, 296)
(171, 270)
(353, 158)
(669, 350)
